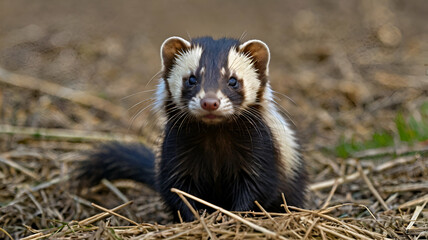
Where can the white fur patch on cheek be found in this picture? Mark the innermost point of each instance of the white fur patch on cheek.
(185, 64)
(242, 66)
(194, 106)
(161, 96)
(194, 103)
(226, 106)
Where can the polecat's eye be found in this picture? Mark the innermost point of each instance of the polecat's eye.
(233, 82)
(192, 80)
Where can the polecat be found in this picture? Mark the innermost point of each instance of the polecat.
(224, 139)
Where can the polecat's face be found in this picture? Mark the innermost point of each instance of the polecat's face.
(214, 80)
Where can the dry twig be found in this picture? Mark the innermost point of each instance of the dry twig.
(230, 214)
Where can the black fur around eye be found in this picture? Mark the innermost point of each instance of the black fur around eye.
(192, 80)
(233, 82)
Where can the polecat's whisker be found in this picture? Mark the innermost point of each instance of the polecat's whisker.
(141, 102)
(154, 76)
(140, 92)
(137, 114)
(284, 95)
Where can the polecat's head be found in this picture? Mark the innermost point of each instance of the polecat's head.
(213, 79)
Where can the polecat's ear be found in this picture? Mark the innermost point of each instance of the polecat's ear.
(259, 52)
(170, 48)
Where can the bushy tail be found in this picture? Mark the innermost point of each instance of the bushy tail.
(117, 161)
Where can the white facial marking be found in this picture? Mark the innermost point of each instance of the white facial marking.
(241, 65)
(223, 71)
(186, 63)
(225, 108)
(161, 96)
(194, 103)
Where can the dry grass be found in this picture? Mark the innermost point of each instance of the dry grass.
(392, 197)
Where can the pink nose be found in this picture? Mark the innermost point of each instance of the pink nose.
(210, 103)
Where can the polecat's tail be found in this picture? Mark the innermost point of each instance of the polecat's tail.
(117, 161)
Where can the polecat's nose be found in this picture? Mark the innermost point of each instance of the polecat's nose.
(210, 102)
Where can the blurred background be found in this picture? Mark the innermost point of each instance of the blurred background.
(352, 75)
(341, 63)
